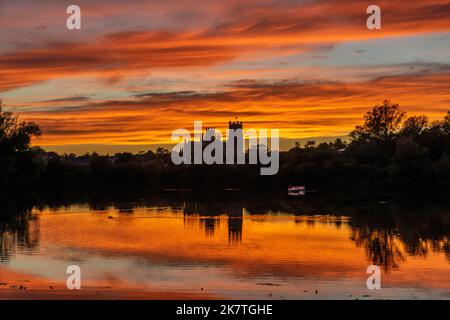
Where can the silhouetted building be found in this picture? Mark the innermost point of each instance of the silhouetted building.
(235, 140)
(235, 125)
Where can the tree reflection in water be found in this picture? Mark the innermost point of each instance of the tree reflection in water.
(391, 233)
(388, 233)
(383, 247)
(18, 227)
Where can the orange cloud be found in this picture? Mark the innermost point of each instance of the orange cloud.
(217, 42)
(243, 30)
(298, 109)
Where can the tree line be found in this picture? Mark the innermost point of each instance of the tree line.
(387, 150)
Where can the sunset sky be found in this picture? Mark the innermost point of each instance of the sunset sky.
(139, 69)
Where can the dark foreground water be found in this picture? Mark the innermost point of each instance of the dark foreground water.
(230, 245)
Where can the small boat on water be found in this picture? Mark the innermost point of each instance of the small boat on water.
(296, 191)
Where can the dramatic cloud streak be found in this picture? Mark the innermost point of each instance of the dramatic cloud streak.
(298, 109)
(138, 70)
(281, 27)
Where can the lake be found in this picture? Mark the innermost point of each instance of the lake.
(175, 245)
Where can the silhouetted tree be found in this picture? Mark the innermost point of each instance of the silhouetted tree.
(310, 145)
(17, 159)
(15, 136)
(162, 152)
(380, 124)
(383, 152)
(414, 126)
(411, 165)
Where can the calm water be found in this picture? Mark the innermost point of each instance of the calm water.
(173, 247)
